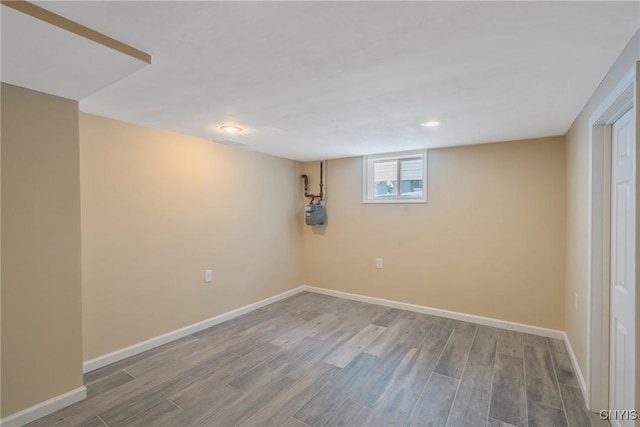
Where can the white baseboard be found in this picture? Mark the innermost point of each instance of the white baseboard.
(504, 324)
(44, 408)
(118, 355)
(107, 359)
(487, 321)
(576, 367)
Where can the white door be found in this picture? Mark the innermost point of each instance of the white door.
(623, 217)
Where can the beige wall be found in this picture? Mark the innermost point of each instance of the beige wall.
(158, 208)
(41, 301)
(577, 143)
(490, 241)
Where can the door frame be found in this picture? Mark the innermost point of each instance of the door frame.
(620, 100)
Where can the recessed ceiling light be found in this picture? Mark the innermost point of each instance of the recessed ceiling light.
(430, 123)
(230, 129)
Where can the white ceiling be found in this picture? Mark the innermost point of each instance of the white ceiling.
(43, 57)
(310, 80)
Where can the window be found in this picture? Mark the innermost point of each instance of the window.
(395, 178)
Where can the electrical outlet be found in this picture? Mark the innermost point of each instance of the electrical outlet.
(576, 302)
(208, 276)
(379, 263)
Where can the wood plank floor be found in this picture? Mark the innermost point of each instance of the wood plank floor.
(315, 360)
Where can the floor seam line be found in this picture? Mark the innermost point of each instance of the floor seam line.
(175, 404)
(526, 394)
(464, 368)
(431, 373)
(129, 373)
(555, 374)
(493, 376)
(103, 421)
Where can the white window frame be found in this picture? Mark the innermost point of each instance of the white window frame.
(367, 176)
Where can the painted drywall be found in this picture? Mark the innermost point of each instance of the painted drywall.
(577, 143)
(158, 208)
(490, 241)
(41, 292)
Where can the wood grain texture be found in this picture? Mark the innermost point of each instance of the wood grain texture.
(497, 423)
(326, 403)
(407, 385)
(343, 355)
(443, 329)
(389, 317)
(276, 363)
(107, 383)
(562, 363)
(283, 407)
(471, 406)
(99, 373)
(155, 415)
(534, 341)
(202, 402)
(544, 416)
(435, 402)
(419, 330)
(541, 379)
(388, 367)
(456, 351)
(576, 411)
(483, 350)
(390, 336)
(349, 414)
(93, 422)
(370, 388)
(508, 398)
(319, 325)
(510, 342)
(150, 397)
(250, 402)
